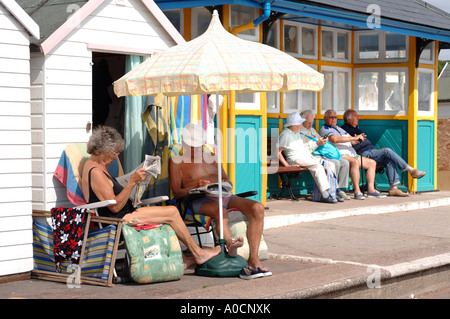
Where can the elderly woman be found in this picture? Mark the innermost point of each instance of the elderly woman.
(104, 146)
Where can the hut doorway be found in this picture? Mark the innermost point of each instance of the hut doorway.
(107, 108)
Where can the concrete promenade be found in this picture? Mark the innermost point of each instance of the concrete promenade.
(376, 248)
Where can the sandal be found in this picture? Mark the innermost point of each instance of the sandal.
(250, 273)
(266, 273)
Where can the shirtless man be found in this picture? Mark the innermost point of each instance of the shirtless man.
(194, 169)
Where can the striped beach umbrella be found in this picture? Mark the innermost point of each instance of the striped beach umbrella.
(217, 62)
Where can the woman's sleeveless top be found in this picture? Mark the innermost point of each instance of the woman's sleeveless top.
(105, 211)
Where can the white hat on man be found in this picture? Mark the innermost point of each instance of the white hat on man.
(193, 135)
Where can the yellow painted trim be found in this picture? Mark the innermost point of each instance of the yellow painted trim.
(223, 129)
(436, 69)
(427, 66)
(384, 117)
(425, 118)
(187, 13)
(260, 31)
(382, 65)
(226, 16)
(412, 112)
(232, 140)
(281, 35)
(328, 63)
(319, 95)
(249, 112)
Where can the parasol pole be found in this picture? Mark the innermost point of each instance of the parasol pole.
(222, 265)
(219, 168)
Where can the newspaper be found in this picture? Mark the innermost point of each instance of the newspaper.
(212, 190)
(152, 165)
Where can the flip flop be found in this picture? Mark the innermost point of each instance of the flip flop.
(250, 273)
(265, 273)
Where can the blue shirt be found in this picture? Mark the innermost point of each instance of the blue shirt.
(359, 147)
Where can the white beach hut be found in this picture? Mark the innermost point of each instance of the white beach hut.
(76, 37)
(16, 28)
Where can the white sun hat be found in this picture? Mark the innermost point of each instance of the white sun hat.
(194, 135)
(294, 119)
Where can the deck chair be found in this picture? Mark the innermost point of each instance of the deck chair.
(69, 171)
(92, 263)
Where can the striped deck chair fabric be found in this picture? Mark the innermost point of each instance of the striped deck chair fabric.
(70, 169)
(98, 250)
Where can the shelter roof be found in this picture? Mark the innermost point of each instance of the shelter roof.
(409, 17)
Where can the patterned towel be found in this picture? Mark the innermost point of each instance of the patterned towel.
(70, 169)
(68, 231)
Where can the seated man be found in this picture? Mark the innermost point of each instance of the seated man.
(342, 165)
(344, 142)
(194, 169)
(384, 157)
(291, 143)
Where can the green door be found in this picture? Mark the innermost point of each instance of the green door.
(248, 159)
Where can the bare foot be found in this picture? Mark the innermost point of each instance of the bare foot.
(259, 266)
(188, 262)
(207, 254)
(233, 246)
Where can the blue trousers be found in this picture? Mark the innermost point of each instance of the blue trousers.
(388, 158)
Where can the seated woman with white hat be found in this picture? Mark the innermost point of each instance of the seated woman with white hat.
(292, 152)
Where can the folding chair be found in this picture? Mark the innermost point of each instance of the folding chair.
(96, 261)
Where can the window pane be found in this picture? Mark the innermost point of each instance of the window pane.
(290, 100)
(394, 94)
(395, 45)
(174, 17)
(204, 18)
(308, 41)
(327, 92)
(342, 91)
(427, 53)
(245, 98)
(290, 38)
(308, 100)
(424, 87)
(327, 44)
(241, 15)
(368, 46)
(368, 91)
(271, 36)
(342, 45)
(271, 101)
